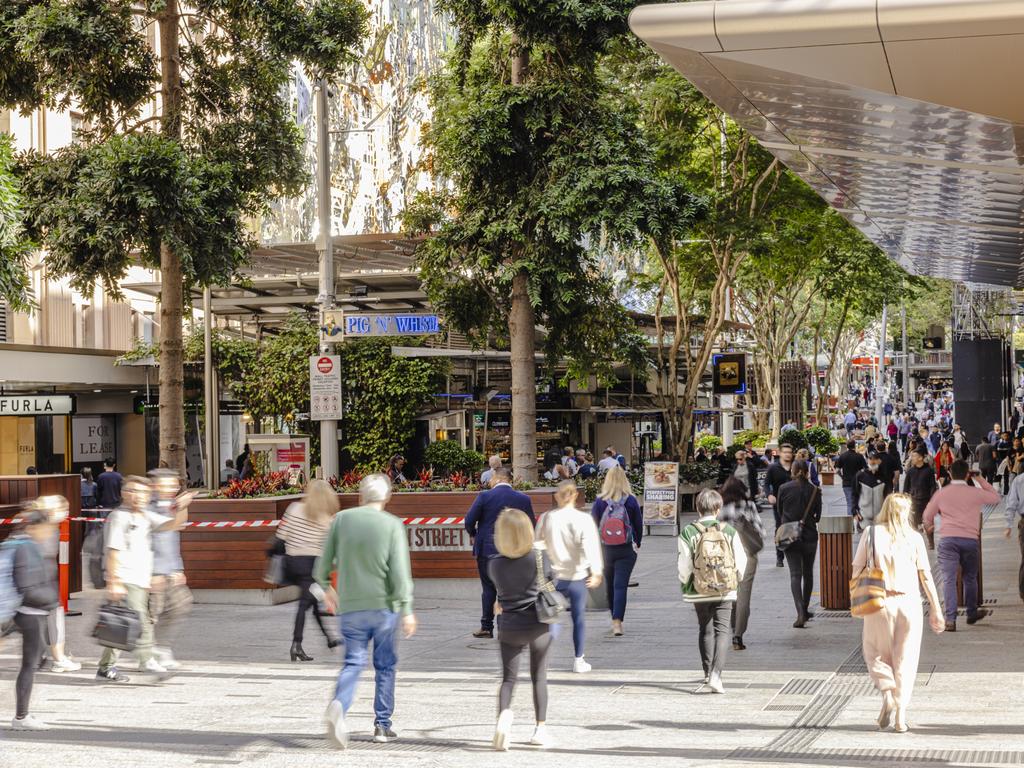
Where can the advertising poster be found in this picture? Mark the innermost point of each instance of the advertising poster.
(661, 492)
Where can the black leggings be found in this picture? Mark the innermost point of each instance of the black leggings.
(513, 643)
(32, 628)
(300, 571)
(800, 559)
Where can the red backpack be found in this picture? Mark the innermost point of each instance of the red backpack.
(615, 528)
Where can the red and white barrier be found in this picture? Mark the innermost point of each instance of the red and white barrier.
(243, 523)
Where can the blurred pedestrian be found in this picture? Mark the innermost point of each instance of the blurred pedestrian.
(304, 530)
(1015, 519)
(799, 501)
(493, 463)
(56, 631)
(892, 635)
(711, 559)
(129, 546)
(170, 599)
(516, 571)
(480, 522)
(569, 537)
(740, 511)
(368, 548)
(37, 589)
(620, 524)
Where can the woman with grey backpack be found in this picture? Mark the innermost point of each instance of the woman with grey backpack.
(711, 558)
(742, 514)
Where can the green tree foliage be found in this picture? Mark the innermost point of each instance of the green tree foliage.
(15, 247)
(447, 456)
(383, 395)
(547, 169)
(225, 145)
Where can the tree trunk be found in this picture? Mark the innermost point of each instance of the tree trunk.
(521, 326)
(172, 306)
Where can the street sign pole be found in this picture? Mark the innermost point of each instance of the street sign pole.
(325, 299)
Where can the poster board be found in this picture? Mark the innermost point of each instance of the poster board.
(661, 493)
(325, 388)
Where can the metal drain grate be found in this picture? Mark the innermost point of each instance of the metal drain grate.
(801, 686)
(782, 708)
(832, 614)
(854, 664)
(907, 756)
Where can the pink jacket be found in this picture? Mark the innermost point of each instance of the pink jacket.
(960, 506)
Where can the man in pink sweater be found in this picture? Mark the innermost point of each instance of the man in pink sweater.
(959, 505)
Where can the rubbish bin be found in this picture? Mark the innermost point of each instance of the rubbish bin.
(835, 553)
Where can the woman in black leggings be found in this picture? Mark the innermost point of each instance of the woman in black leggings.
(798, 500)
(38, 597)
(514, 573)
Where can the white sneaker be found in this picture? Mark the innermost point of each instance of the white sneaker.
(154, 667)
(337, 731)
(67, 664)
(715, 684)
(580, 665)
(29, 723)
(541, 738)
(503, 731)
(165, 658)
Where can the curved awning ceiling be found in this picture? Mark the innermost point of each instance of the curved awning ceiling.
(905, 115)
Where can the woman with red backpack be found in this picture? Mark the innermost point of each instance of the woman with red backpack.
(620, 525)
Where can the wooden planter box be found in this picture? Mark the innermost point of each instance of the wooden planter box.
(442, 551)
(230, 558)
(828, 476)
(218, 559)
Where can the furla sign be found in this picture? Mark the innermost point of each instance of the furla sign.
(36, 405)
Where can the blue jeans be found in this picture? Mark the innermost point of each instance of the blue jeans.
(848, 493)
(618, 565)
(576, 593)
(359, 628)
(956, 552)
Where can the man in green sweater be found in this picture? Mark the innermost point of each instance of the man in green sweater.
(367, 546)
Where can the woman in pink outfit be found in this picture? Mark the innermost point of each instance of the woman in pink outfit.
(892, 636)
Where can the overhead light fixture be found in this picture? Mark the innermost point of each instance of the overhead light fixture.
(97, 390)
(134, 392)
(359, 291)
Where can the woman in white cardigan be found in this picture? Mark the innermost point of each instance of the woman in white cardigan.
(570, 537)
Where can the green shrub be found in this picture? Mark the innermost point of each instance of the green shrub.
(471, 462)
(444, 456)
(793, 437)
(707, 441)
(759, 439)
(822, 440)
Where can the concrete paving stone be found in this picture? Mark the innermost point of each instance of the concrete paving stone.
(239, 701)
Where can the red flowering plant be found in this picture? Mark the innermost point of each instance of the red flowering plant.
(426, 477)
(269, 484)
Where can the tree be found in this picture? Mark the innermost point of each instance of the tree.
(187, 140)
(694, 266)
(15, 247)
(547, 169)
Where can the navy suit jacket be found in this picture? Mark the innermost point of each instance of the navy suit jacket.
(484, 513)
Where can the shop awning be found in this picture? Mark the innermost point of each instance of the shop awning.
(904, 115)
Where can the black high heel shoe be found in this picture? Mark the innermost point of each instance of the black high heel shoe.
(298, 654)
(333, 643)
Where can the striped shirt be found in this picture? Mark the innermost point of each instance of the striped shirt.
(302, 535)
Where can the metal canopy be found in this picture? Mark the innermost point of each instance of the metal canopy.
(372, 272)
(904, 115)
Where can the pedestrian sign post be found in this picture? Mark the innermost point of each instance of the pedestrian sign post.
(324, 388)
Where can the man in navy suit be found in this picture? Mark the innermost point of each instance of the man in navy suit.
(480, 522)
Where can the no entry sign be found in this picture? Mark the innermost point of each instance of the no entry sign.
(324, 388)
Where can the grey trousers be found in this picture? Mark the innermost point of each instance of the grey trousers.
(713, 637)
(741, 608)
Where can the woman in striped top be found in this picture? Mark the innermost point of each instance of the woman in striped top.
(304, 529)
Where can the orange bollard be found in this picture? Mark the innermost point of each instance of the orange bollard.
(64, 563)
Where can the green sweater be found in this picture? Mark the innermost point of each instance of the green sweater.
(369, 550)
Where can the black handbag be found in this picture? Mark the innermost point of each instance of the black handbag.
(551, 603)
(117, 626)
(788, 534)
(277, 563)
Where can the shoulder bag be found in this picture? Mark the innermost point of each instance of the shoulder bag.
(789, 533)
(551, 603)
(867, 588)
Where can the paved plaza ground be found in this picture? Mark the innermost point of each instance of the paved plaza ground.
(794, 697)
